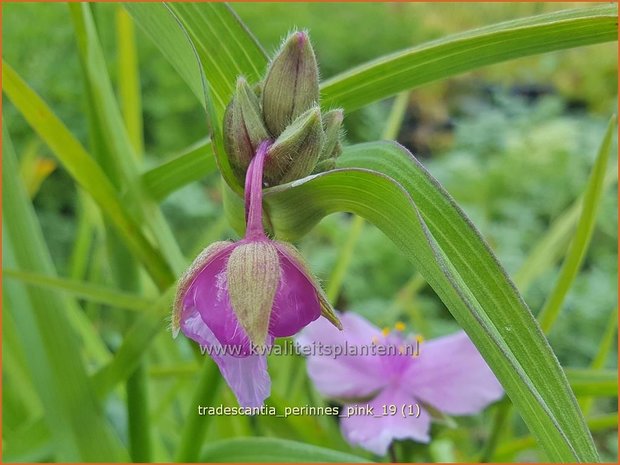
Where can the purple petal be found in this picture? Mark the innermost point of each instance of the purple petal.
(344, 376)
(375, 432)
(451, 375)
(208, 294)
(296, 303)
(247, 376)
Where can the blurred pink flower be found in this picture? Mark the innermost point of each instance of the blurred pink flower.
(448, 375)
(238, 296)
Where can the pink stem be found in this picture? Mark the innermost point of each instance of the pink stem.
(254, 194)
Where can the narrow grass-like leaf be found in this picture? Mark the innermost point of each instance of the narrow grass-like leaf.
(129, 79)
(112, 146)
(424, 222)
(223, 48)
(552, 246)
(194, 163)
(192, 435)
(84, 170)
(135, 344)
(163, 29)
(463, 52)
(506, 451)
(82, 290)
(53, 355)
(378, 79)
(272, 450)
(586, 382)
(604, 349)
(583, 234)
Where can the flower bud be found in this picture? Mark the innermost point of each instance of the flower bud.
(244, 129)
(295, 153)
(292, 83)
(252, 114)
(253, 275)
(236, 143)
(332, 124)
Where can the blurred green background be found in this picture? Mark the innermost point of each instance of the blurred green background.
(513, 143)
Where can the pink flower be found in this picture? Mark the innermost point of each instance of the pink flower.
(447, 374)
(238, 296)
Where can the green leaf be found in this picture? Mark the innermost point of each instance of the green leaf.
(129, 80)
(585, 227)
(386, 76)
(586, 382)
(82, 289)
(85, 171)
(271, 450)
(163, 29)
(220, 43)
(113, 149)
(388, 186)
(596, 424)
(136, 342)
(551, 247)
(72, 413)
(367, 83)
(194, 163)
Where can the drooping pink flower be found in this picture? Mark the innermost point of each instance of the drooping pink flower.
(447, 374)
(238, 296)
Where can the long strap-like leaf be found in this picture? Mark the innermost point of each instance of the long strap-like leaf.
(404, 201)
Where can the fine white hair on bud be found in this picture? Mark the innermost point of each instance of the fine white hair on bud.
(292, 83)
(253, 275)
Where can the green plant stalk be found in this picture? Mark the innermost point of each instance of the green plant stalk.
(129, 80)
(585, 227)
(604, 349)
(82, 244)
(502, 414)
(596, 424)
(343, 261)
(138, 416)
(405, 301)
(195, 427)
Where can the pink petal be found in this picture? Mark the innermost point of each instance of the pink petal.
(247, 376)
(376, 432)
(451, 375)
(208, 294)
(344, 376)
(296, 303)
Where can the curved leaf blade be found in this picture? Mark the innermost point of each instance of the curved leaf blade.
(271, 450)
(427, 226)
(386, 76)
(84, 170)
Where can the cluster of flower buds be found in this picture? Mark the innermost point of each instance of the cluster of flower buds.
(283, 110)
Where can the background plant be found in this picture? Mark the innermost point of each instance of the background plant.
(517, 163)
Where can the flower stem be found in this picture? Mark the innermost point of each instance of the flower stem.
(138, 416)
(196, 425)
(254, 193)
